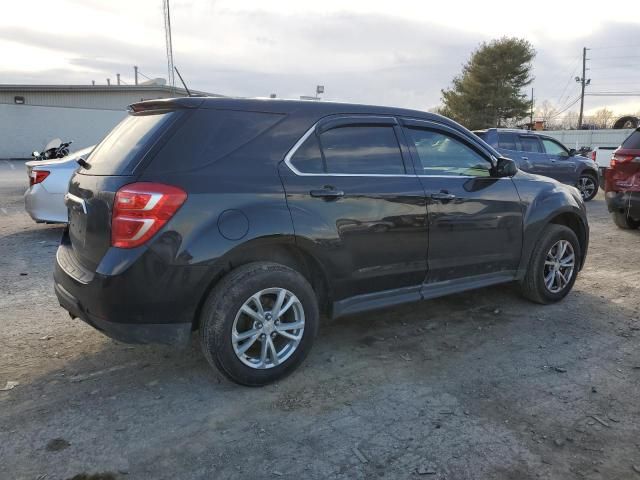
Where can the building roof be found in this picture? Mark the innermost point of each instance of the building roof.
(101, 88)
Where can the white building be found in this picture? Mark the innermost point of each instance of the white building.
(31, 115)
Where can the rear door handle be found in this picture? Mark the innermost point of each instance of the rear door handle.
(443, 196)
(525, 158)
(327, 193)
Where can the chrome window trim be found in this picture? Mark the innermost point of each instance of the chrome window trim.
(298, 144)
(70, 197)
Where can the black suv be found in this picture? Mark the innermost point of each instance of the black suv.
(247, 219)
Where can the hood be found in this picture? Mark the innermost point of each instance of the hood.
(555, 184)
(61, 162)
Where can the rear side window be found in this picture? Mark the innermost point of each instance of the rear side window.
(632, 141)
(209, 135)
(530, 144)
(362, 150)
(128, 141)
(508, 141)
(308, 158)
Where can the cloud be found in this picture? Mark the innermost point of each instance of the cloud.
(360, 54)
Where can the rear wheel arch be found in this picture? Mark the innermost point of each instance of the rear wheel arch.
(284, 252)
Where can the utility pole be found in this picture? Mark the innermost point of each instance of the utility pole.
(531, 112)
(135, 72)
(584, 82)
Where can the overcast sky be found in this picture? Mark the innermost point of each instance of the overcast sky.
(399, 52)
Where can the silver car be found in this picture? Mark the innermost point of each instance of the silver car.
(48, 183)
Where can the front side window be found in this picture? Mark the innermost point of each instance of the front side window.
(507, 140)
(362, 150)
(442, 154)
(553, 148)
(530, 144)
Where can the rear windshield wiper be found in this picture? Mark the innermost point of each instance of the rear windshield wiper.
(83, 163)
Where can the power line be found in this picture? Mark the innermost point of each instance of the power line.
(616, 46)
(569, 81)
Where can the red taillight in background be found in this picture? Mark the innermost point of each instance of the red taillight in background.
(619, 158)
(38, 176)
(593, 155)
(140, 210)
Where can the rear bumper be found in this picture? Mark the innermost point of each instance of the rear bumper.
(43, 206)
(168, 334)
(624, 202)
(150, 301)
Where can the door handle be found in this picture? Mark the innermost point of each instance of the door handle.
(553, 160)
(443, 196)
(525, 158)
(327, 193)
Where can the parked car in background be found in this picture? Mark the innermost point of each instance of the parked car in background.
(245, 219)
(602, 157)
(622, 183)
(48, 183)
(543, 155)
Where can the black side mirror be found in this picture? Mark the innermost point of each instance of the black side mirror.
(505, 167)
(572, 152)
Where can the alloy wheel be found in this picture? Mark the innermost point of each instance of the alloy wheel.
(587, 186)
(268, 328)
(559, 266)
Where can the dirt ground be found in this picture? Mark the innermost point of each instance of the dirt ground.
(481, 385)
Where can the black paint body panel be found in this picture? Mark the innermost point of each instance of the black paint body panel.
(384, 242)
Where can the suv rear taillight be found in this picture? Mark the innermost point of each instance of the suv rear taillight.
(593, 155)
(140, 210)
(619, 158)
(38, 176)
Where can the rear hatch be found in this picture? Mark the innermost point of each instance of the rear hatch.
(624, 172)
(115, 162)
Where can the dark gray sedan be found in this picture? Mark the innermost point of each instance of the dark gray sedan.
(540, 154)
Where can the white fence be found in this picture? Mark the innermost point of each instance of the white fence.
(25, 128)
(590, 138)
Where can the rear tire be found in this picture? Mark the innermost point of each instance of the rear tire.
(258, 324)
(535, 286)
(588, 185)
(623, 221)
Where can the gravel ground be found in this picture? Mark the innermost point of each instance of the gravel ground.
(481, 385)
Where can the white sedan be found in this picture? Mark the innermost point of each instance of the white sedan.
(48, 183)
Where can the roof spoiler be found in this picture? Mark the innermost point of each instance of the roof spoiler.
(164, 104)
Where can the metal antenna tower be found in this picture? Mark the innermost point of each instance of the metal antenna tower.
(171, 79)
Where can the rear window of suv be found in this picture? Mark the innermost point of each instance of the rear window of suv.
(632, 141)
(124, 146)
(208, 135)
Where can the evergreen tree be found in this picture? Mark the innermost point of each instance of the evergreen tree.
(489, 91)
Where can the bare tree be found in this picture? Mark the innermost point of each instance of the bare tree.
(569, 120)
(547, 113)
(601, 118)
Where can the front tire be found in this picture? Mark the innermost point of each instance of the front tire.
(588, 185)
(623, 221)
(258, 323)
(553, 266)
